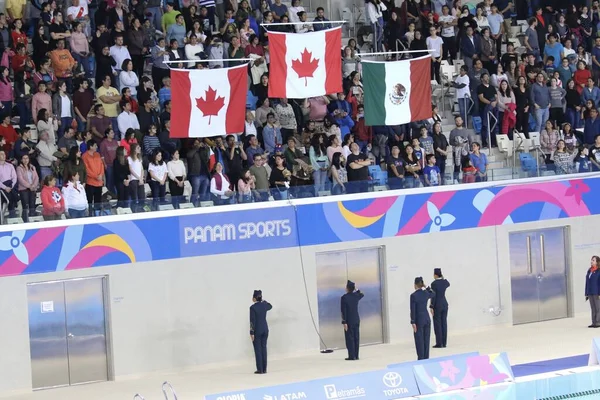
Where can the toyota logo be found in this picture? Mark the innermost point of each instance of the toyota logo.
(392, 379)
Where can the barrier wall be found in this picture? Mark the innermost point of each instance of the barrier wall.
(180, 284)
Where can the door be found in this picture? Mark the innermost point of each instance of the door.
(539, 273)
(67, 330)
(333, 270)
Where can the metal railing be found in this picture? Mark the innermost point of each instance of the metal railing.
(167, 386)
(138, 396)
(490, 128)
(5, 203)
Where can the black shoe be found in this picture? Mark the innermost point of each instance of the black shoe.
(437, 346)
(596, 326)
(444, 346)
(258, 372)
(350, 359)
(591, 326)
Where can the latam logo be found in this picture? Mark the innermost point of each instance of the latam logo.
(242, 231)
(332, 393)
(286, 396)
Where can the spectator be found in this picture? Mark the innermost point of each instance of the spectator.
(488, 50)
(278, 9)
(319, 162)
(412, 168)
(440, 147)
(479, 162)
(271, 134)
(261, 177)
(109, 99)
(531, 38)
(363, 133)
(8, 133)
(74, 196)
(321, 18)
(128, 78)
(121, 176)
(53, 204)
(431, 173)
(548, 139)
(46, 150)
(58, 31)
(62, 105)
(151, 141)
(591, 92)
(220, 187)
(470, 47)
(554, 50)
(108, 151)
(557, 97)
(358, 170)
(280, 178)
(23, 145)
(562, 159)
(29, 183)
(127, 119)
(40, 100)
(199, 170)
(540, 100)
(164, 94)
(119, 53)
(573, 106)
(246, 186)
(6, 90)
(591, 128)
(234, 160)
(254, 149)
(488, 102)
(136, 177)
(80, 48)
(177, 177)
(63, 64)
(74, 164)
(158, 174)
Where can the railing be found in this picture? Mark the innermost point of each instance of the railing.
(491, 128)
(165, 386)
(138, 396)
(377, 184)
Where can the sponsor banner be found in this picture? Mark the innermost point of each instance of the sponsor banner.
(437, 359)
(375, 385)
(463, 373)
(237, 231)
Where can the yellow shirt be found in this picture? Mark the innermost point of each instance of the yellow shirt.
(15, 7)
(110, 110)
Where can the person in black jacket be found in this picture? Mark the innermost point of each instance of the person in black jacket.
(439, 308)
(259, 330)
(419, 318)
(351, 319)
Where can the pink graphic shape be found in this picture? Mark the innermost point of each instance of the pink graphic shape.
(577, 189)
(377, 207)
(481, 368)
(87, 257)
(511, 198)
(421, 218)
(35, 245)
(449, 370)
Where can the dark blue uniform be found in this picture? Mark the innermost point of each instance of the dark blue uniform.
(260, 330)
(419, 316)
(439, 304)
(592, 294)
(349, 305)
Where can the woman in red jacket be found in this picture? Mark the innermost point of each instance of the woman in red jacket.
(52, 200)
(581, 76)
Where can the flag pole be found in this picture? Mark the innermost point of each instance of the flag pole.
(304, 23)
(387, 53)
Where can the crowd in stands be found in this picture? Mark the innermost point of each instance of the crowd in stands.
(93, 77)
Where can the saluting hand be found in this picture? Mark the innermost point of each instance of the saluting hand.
(414, 328)
(345, 327)
(431, 311)
(252, 337)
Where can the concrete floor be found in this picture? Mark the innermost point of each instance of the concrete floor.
(523, 343)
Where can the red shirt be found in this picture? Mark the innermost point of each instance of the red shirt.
(19, 38)
(10, 135)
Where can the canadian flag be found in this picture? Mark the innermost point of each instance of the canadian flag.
(305, 64)
(208, 102)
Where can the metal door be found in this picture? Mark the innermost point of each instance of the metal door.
(539, 271)
(333, 270)
(67, 330)
(553, 274)
(86, 330)
(364, 269)
(331, 281)
(48, 335)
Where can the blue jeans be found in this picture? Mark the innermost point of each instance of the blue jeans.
(155, 17)
(115, 126)
(378, 35)
(320, 178)
(65, 123)
(463, 109)
(200, 185)
(573, 117)
(484, 125)
(23, 114)
(541, 116)
(110, 179)
(77, 213)
(85, 62)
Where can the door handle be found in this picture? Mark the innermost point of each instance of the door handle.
(529, 256)
(542, 256)
(70, 336)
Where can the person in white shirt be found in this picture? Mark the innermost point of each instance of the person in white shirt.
(250, 127)
(463, 94)
(220, 187)
(46, 157)
(127, 119)
(78, 12)
(193, 50)
(158, 172)
(128, 78)
(294, 10)
(448, 23)
(73, 192)
(435, 44)
(137, 192)
(375, 9)
(177, 175)
(119, 53)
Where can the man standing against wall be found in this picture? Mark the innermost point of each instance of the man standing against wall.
(351, 320)
(259, 330)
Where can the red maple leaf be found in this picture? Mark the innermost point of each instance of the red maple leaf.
(304, 67)
(211, 104)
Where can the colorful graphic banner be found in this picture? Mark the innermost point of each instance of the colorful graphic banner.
(433, 360)
(376, 385)
(43, 250)
(463, 373)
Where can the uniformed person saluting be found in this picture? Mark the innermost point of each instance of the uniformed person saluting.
(439, 308)
(259, 330)
(419, 318)
(351, 320)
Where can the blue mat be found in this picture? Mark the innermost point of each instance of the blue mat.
(541, 367)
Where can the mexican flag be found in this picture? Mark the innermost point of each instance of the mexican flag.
(397, 92)
(305, 64)
(208, 102)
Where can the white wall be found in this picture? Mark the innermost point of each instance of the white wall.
(174, 314)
